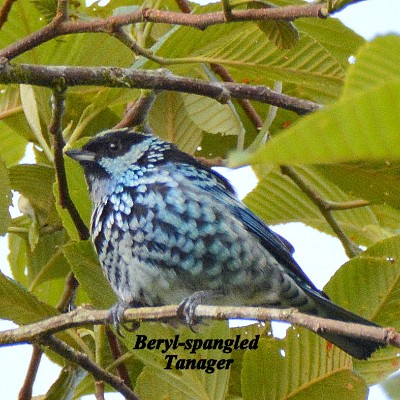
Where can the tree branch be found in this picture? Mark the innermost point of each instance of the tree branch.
(59, 26)
(84, 316)
(84, 361)
(147, 79)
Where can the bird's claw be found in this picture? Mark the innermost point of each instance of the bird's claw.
(117, 316)
(187, 307)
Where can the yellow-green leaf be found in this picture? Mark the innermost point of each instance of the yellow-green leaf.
(364, 127)
(302, 366)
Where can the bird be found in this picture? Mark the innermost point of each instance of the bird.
(169, 230)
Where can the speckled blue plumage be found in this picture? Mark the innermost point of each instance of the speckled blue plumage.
(166, 227)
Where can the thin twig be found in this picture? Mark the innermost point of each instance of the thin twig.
(136, 113)
(345, 205)
(62, 10)
(83, 316)
(184, 6)
(71, 283)
(50, 76)
(99, 390)
(116, 353)
(212, 162)
(325, 208)
(244, 103)
(5, 10)
(84, 361)
(227, 10)
(120, 34)
(68, 296)
(55, 128)
(26, 390)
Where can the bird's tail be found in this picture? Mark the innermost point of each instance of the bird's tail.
(356, 347)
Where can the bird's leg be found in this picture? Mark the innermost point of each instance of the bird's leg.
(117, 315)
(187, 307)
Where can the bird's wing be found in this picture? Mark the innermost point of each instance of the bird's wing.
(276, 245)
(224, 193)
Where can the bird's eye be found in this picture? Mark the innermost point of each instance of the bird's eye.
(114, 147)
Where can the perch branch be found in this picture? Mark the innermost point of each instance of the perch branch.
(84, 316)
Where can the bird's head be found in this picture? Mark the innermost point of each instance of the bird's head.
(120, 156)
(108, 157)
(111, 153)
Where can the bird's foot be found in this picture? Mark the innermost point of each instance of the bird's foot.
(187, 307)
(117, 316)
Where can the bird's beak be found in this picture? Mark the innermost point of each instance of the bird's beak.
(82, 156)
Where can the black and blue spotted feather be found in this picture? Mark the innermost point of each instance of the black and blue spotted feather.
(170, 230)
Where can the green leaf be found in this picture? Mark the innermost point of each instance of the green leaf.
(85, 266)
(368, 132)
(183, 118)
(169, 119)
(17, 256)
(5, 198)
(13, 126)
(326, 32)
(378, 182)
(282, 33)
(46, 251)
(369, 285)
(337, 5)
(35, 182)
(242, 48)
(19, 305)
(277, 199)
(212, 116)
(333, 135)
(377, 63)
(186, 383)
(68, 380)
(297, 368)
(79, 195)
(31, 111)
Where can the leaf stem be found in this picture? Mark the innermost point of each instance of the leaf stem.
(325, 208)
